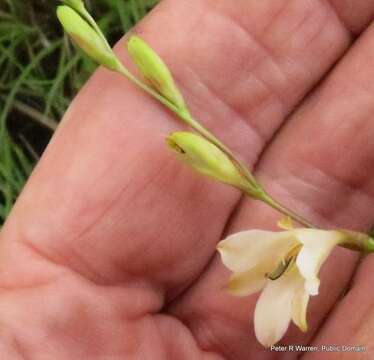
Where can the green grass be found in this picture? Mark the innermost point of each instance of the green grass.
(40, 73)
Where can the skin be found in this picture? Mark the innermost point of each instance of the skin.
(110, 251)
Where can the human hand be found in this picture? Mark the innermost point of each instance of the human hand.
(110, 251)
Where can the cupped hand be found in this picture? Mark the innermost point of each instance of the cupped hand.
(110, 251)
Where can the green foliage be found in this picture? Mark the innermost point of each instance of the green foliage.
(40, 72)
(15, 168)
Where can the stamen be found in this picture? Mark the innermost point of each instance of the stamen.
(286, 263)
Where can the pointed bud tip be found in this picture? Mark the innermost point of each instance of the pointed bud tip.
(86, 37)
(154, 70)
(75, 4)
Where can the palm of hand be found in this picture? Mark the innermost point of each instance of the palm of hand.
(110, 251)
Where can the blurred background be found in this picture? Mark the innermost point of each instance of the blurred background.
(40, 73)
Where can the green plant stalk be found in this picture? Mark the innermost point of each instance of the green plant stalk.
(185, 115)
(19, 81)
(266, 198)
(353, 241)
(182, 113)
(254, 189)
(35, 115)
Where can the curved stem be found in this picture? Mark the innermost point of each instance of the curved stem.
(284, 210)
(254, 190)
(123, 71)
(185, 115)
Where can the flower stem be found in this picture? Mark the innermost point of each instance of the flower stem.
(254, 188)
(123, 71)
(186, 117)
(284, 210)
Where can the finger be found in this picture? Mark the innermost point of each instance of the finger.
(107, 198)
(349, 327)
(321, 165)
(355, 14)
(341, 329)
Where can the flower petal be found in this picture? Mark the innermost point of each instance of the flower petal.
(274, 308)
(244, 250)
(247, 283)
(299, 308)
(317, 246)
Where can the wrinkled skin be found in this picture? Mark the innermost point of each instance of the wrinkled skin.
(110, 251)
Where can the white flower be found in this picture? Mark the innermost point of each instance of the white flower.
(292, 259)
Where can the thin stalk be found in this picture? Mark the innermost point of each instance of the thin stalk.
(254, 189)
(285, 211)
(17, 84)
(185, 115)
(35, 115)
(123, 71)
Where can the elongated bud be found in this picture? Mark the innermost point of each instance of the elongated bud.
(205, 158)
(86, 37)
(154, 70)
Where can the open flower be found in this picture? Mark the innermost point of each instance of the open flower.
(285, 265)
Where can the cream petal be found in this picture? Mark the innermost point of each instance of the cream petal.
(311, 286)
(299, 308)
(273, 311)
(247, 283)
(244, 250)
(317, 246)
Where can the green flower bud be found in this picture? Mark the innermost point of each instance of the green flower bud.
(86, 37)
(205, 158)
(154, 70)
